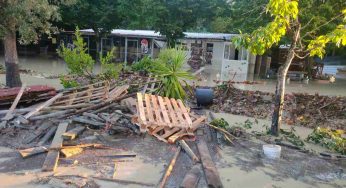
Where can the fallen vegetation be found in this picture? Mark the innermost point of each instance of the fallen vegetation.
(299, 108)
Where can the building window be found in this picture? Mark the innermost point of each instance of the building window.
(231, 53)
(210, 47)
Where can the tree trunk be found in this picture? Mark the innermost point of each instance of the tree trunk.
(280, 85)
(11, 61)
(280, 94)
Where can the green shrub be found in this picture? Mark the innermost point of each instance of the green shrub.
(109, 70)
(78, 61)
(220, 122)
(68, 82)
(168, 67)
(145, 64)
(331, 139)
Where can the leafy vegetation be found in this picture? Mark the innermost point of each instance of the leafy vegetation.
(220, 122)
(145, 64)
(285, 25)
(109, 70)
(78, 61)
(169, 69)
(81, 64)
(331, 139)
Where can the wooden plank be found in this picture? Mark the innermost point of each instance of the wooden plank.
(192, 177)
(179, 135)
(69, 152)
(51, 115)
(44, 105)
(170, 168)
(210, 171)
(149, 109)
(169, 132)
(51, 161)
(37, 133)
(156, 107)
(185, 112)
(171, 112)
(9, 114)
(47, 136)
(188, 151)
(178, 112)
(25, 153)
(88, 121)
(141, 109)
(73, 133)
(196, 123)
(163, 110)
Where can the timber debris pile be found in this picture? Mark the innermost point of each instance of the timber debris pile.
(60, 124)
(299, 108)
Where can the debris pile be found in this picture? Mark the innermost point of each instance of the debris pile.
(299, 108)
(108, 108)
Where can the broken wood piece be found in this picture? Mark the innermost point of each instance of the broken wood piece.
(93, 116)
(223, 131)
(124, 181)
(37, 133)
(73, 133)
(47, 136)
(69, 152)
(192, 177)
(44, 105)
(51, 115)
(188, 151)
(88, 121)
(25, 153)
(9, 114)
(51, 161)
(170, 168)
(210, 171)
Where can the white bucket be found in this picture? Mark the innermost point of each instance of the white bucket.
(272, 151)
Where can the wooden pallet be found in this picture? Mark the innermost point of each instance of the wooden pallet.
(92, 93)
(166, 119)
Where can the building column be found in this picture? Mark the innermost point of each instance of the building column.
(125, 51)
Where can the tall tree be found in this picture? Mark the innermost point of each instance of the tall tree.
(100, 15)
(307, 39)
(28, 18)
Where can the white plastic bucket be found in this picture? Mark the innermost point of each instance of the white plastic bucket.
(272, 151)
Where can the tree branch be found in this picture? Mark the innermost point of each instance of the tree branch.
(334, 18)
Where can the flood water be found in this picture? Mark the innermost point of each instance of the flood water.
(50, 65)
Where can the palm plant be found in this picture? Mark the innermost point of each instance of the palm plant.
(169, 69)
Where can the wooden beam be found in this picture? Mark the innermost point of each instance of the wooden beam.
(210, 171)
(44, 105)
(47, 136)
(188, 151)
(51, 161)
(9, 114)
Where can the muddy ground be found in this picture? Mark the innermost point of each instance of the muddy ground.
(240, 165)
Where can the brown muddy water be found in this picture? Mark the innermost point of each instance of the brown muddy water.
(45, 66)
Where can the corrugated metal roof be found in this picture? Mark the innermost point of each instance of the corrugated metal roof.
(154, 34)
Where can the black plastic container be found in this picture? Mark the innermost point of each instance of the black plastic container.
(204, 96)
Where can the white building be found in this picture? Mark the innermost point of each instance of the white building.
(222, 57)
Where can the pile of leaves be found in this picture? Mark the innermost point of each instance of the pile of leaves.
(220, 122)
(331, 139)
(299, 108)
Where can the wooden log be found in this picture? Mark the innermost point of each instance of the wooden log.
(51, 161)
(192, 177)
(69, 152)
(188, 151)
(87, 121)
(170, 168)
(47, 136)
(210, 171)
(9, 114)
(51, 115)
(44, 105)
(72, 134)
